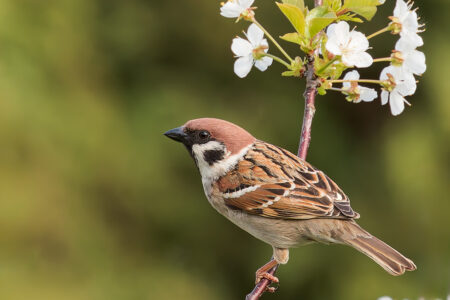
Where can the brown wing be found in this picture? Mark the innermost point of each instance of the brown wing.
(274, 183)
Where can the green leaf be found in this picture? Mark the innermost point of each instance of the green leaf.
(293, 37)
(299, 3)
(321, 91)
(350, 17)
(288, 73)
(334, 5)
(295, 16)
(317, 19)
(365, 8)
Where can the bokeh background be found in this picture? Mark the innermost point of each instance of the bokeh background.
(95, 203)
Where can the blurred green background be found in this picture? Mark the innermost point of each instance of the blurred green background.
(95, 203)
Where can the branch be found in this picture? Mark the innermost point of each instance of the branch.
(310, 109)
(310, 96)
(261, 287)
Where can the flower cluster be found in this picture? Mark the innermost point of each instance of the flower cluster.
(406, 60)
(326, 37)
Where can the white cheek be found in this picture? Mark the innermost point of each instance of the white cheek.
(199, 149)
(205, 169)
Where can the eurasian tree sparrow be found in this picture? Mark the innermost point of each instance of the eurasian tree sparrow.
(276, 196)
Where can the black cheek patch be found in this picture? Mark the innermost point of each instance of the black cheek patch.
(212, 156)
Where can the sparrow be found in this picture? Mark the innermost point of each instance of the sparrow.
(276, 196)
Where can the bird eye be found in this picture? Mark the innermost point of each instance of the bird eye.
(203, 135)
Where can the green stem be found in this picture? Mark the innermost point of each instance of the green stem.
(359, 80)
(276, 58)
(387, 28)
(273, 40)
(382, 59)
(326, 66)
(336, 90)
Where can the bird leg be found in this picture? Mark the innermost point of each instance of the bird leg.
(263, 272)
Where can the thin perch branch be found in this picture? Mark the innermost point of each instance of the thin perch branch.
(310, 96)
(261, 287)
(310, 109)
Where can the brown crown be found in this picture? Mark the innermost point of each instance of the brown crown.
(234, 137)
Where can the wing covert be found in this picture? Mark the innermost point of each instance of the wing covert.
(274, 183)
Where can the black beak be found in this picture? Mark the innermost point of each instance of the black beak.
(177, 134)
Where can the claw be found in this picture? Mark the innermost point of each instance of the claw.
(267, 276)
(271, 289)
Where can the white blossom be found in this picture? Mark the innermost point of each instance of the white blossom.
(404, 84)
(413, 60)
(234, 8)
(385, 298)
(251, 52)
(409, 25)
(362, 93)
(350, 45)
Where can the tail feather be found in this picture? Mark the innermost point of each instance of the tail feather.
(384, 255)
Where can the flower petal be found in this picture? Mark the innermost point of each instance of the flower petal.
(387, 70)
(415, 62)
(342, 32)
(358, 41)
(397, 103)
(367, 94)
(338, 35)
(263, 63)
(243, 65)
(412, 39)
(353, 75)
(407, 44)
(333, 46)
(230, 10)
(401, 9)
(241, 47)
(407, 86)
(384, 97)
(410, 24)
(331, 30)
(245, 3)
(358, 59)
(255, 35)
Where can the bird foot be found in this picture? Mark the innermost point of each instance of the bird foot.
(265, 275)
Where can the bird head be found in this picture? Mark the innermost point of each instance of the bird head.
(213, 143)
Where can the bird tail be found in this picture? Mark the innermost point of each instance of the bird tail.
(384, 255)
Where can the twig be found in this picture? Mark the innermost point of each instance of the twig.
(310, 109)
(261, 287)
(310, 96)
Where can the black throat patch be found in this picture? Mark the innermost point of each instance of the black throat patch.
(212, 156)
